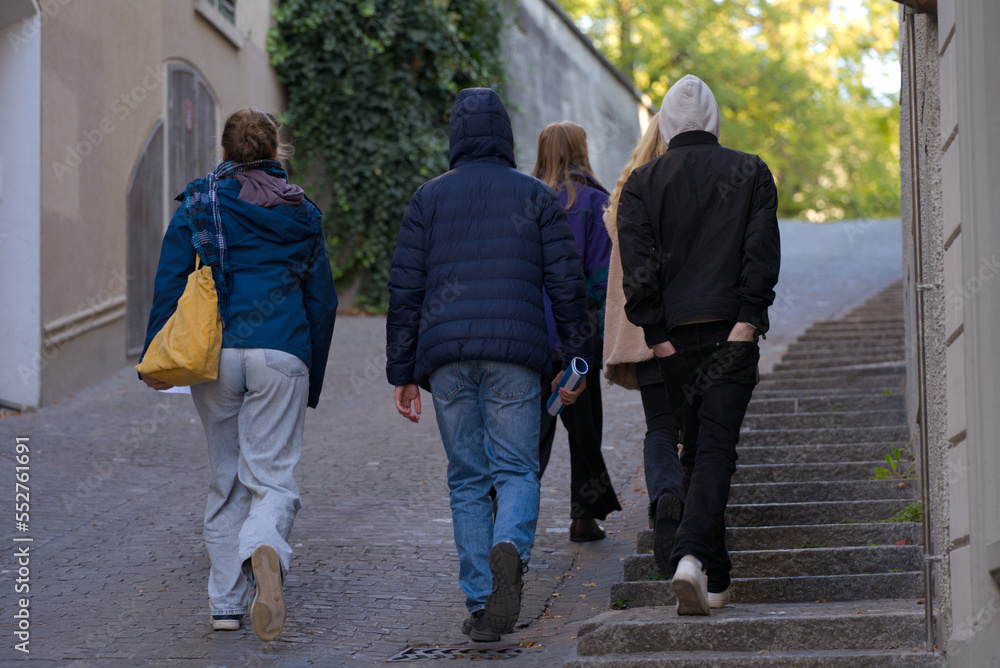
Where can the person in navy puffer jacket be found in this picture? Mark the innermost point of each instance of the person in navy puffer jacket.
(265, 243)
(564, 163)
(466, 321)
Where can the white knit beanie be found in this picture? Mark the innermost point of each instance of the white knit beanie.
(688, 105)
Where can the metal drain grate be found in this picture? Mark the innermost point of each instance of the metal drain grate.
(430, 653)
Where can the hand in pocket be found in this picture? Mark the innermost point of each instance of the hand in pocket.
(664, 349)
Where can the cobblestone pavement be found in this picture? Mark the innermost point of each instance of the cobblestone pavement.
(118, 569)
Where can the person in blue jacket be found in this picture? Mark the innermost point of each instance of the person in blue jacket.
(466, 321)
(564, 164)
(265, 243)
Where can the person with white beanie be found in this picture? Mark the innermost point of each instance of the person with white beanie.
(698, 229)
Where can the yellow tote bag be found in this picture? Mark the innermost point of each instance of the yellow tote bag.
(186, 350)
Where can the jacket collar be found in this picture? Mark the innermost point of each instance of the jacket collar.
(691, 138)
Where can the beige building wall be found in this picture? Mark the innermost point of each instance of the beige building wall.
(958, 148)
(20, 95)
(103, 68)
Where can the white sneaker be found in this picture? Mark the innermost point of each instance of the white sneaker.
(691, 587)
(226, 622)
(718, 600)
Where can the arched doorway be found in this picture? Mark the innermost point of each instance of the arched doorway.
(183, 148)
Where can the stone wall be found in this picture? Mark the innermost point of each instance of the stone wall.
(556, 74)
(957, 148)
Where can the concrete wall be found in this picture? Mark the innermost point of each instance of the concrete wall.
(20, 96)
(102, 90)
(976, 99)
(556, 75)
(958, 111)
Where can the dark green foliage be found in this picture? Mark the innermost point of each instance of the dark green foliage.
(370, 85)
(913, 512)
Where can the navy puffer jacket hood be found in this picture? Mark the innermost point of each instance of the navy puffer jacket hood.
(475, 248)
(480, 128)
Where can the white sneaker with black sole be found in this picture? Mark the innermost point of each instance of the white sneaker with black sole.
(691, 587)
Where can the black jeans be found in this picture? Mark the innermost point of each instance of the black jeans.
(709, 383)
(659, 449)
(591, 493)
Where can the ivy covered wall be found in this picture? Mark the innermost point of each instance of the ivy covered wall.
(370, 85)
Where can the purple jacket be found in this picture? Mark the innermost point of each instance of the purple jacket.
(586, 219)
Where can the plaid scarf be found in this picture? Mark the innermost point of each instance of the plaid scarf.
(201, 211)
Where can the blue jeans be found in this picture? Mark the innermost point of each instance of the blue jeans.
(253, 415)
(488, 414)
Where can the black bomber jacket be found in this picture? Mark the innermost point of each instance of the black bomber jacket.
(698, 235)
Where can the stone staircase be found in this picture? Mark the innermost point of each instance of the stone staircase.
(820, 579)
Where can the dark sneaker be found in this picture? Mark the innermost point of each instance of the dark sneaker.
(503, 605)
(268, 610)
(469, 621)
(668, 518)
(226, 622)
(585, 530)
(480, 630)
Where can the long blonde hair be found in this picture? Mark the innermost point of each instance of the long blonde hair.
(649, 146)
(562, 152)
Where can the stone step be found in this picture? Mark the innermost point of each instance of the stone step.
(820, 404)
(865, 320)
(840, 658)
(850, 332)
(828, 419)
(891, 381)
(844, 375)
(808, 344)
(820, 512)
(809, 454)
(792, 492)
(832, 470)
(806, 348)
(854, 329)
(830, 391)
(806, 351)
(896, 434)
(799, 589)
(830, 361)
(860, 625)
(851, 560)
(805, 536)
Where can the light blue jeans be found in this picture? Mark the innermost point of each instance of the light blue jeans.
(488, 415)
(253, 416)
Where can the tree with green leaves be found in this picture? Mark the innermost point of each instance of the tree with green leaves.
(369, 87)
(790, 79)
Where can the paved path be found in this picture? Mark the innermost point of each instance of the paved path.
(118, 473)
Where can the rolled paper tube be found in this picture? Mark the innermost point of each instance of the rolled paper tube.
(570, 380)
